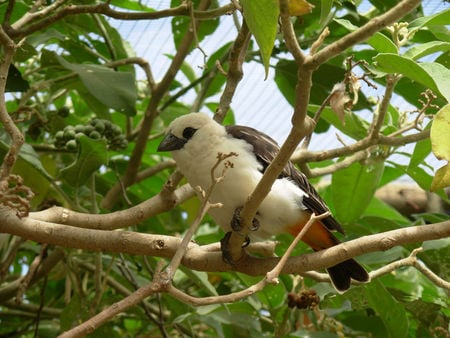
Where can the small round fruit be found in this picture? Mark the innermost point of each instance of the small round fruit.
(95, 135)
(71, 145)
(69, 133)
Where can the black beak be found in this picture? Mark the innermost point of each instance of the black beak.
(171, 142)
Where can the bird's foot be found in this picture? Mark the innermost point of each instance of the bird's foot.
(236, 221)
(225, 247)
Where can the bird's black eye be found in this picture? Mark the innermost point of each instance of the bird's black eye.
(188, 132)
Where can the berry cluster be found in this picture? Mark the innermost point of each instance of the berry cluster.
(96, 129)
(304, 300)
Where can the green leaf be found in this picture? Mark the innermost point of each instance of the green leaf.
(15, 82)
(114, 89)
(441, 18)
(182, 24)
(354, 126)
(92, 154)
(432, 75)
(325, 10)
(377, 207)
(200, 278)
(133, 5)
(27, 154)
(262, 20)
(353, 188)
(382, 43)
(420, 50)
(421, 150)
(273, 295)
(391, 312)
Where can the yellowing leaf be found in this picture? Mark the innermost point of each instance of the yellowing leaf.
(440, 131)
(440, 144)
(300, 7)
(441, 179)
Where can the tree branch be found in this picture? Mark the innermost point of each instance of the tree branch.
(235, 73)
(201, 259)
(362, 33)
(118, 219)
(28, 24)
(17, 138)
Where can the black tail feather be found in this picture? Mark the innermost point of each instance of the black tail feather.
(341, 274)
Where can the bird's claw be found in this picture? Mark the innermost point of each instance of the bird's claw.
(225, 247)
(236, 221)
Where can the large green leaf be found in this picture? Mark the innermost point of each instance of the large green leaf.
(391, 312)
(262, 20)
(433, 75)
(116, 90)
(353, 188)
(92, 154)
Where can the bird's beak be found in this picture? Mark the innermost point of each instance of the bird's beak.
(171, 142)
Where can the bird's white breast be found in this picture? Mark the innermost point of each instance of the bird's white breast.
(282, 206)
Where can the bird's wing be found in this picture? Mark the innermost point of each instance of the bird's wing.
(265, 149)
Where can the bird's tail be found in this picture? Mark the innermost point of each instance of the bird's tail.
(342, 273)
(319, 237)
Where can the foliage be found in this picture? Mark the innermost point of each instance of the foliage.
(74, 68)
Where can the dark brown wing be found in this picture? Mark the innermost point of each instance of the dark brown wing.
(265, 149)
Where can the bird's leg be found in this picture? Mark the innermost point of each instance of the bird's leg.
(235, 226)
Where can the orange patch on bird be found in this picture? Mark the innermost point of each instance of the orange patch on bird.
(317, 237)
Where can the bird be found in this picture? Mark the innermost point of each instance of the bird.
(195, 140)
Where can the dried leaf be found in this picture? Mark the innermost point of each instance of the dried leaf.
(339, 100)
(355, 86)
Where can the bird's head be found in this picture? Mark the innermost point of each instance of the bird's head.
(187, 128)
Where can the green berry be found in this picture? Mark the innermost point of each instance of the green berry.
(88, 129)
(69, 134)
(59, 135)
(71, 145)
(116, 130)
(95, 135)
(99, 126)
(78, 136)
(79, 128)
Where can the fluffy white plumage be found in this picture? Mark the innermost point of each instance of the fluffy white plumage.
(283, 205)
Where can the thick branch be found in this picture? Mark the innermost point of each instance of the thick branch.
(118, 219)
(204, 260)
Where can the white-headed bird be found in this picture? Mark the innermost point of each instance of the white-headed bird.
(195, 140)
